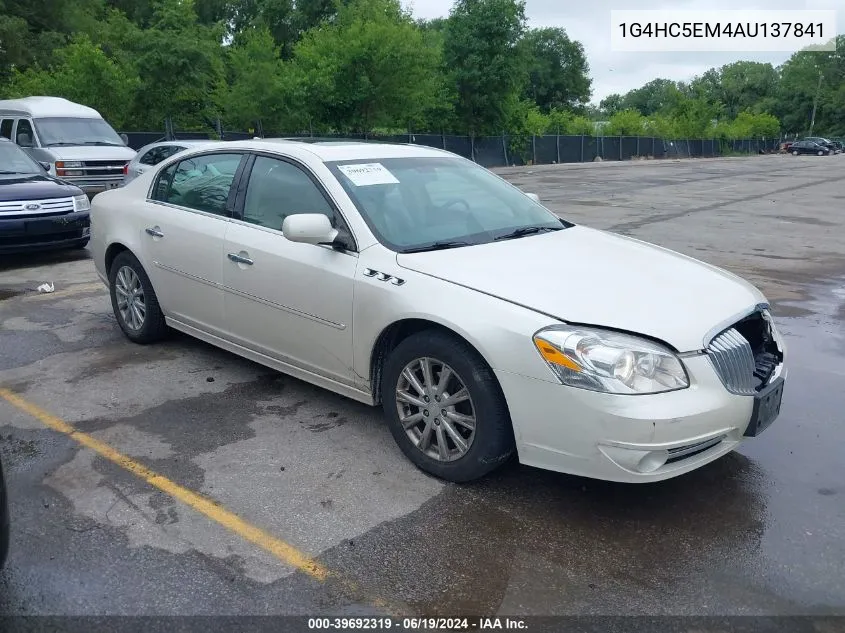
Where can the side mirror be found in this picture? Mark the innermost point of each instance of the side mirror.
(24, 140)
(125, 139)
(534, 197)
(45, 165)
(309, 228)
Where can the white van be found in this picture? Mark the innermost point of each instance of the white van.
(75, 140)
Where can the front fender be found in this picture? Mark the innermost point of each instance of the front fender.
(500, 331)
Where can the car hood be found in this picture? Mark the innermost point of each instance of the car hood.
(591, 277)
(92, 152)
(34, 187)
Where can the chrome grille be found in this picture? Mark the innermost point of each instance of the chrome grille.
(24, 208)
(733, 360)
(104, 167)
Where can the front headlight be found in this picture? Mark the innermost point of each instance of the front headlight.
(601, 360)
(81, 203)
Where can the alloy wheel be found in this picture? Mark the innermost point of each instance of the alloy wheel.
(435, 409)
(130, 298)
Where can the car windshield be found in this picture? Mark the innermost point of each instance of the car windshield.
(76, 131)
(13, 160)
(422, 203)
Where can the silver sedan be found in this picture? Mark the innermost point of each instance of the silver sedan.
(152, 154)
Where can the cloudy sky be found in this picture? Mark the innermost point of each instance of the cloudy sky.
(588, 21)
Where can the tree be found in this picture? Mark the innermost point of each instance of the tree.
(611, 104)
(481, 50)
(369, 68)
(740, 86)
(626, 123)
(558, 73)
(259, 88)
(658, 95)
(180, 64)
(806, 76)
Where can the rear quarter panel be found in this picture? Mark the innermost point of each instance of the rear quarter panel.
(115, 217)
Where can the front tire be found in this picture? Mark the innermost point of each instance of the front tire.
(445, 408)
(821, 153)
(134, 301)
(795, 152)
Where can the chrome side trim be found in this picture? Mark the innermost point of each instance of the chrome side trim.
(176, 271)
(245, 295)
(283, 308)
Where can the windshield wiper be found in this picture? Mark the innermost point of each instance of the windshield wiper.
(61, 143)
(437, 246)
(526, 230)
(6, 171)
(103, 143)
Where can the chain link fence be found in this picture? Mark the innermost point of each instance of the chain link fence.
(513, 150)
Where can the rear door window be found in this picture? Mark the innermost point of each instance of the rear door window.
(201, 182)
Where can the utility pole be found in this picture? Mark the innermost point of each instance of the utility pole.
(815, 104)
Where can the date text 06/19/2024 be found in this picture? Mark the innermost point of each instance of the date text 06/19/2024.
(417, 624)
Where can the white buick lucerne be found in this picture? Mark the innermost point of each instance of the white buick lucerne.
(482, 323)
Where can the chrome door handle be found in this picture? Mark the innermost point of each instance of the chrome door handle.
(154, 232)
(238, 259)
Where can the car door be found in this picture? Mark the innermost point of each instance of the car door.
(290, 301)
(183, 234)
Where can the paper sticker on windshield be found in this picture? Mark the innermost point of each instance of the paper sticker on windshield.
(369, 174)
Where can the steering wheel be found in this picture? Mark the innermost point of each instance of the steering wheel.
(451, 202)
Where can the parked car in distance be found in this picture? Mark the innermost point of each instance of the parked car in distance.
(4, 519)
(834, 147)
(809, 147)
(37, 210)
(152, 154)
(78, 144)
(414, 279)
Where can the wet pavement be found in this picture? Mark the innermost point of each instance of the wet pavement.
(760, 531)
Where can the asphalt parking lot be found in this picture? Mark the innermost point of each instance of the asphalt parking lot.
(316, 511)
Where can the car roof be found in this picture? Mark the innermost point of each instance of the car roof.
(185, 142)
(49, 107)
(335, 150)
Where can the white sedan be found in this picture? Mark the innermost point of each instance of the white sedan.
(482, 323)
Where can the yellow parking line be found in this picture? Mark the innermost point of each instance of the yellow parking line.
(285, 552)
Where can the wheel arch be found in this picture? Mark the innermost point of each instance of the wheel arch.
(398, 331)
(114, 249)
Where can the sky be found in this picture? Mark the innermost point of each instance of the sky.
(588, 21)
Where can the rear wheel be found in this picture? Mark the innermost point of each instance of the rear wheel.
(134, 301)
(445, 408)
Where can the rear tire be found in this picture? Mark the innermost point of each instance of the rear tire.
(461, 391)
(134, 301)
